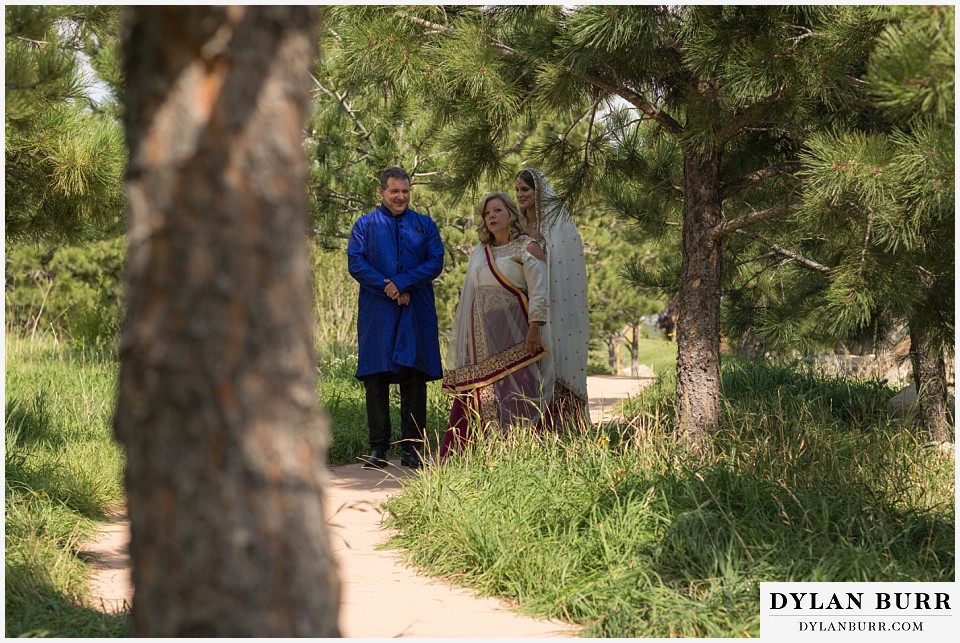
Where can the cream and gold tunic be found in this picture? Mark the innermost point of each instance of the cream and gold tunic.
(487, 356)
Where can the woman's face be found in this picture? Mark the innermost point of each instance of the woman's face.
(496, 217)
(525, 195)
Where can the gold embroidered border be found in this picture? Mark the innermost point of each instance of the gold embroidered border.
(491, 369)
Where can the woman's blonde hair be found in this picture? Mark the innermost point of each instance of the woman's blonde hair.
(516, 229)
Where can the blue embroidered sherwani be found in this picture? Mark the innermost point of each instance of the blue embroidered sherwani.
(407, 250)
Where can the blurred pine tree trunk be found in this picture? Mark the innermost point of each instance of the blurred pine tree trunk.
(217, 402)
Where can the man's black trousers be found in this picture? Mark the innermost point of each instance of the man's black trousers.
(413, 408)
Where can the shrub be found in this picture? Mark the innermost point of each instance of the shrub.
(69, 291)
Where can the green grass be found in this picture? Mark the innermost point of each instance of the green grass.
(615, 529)
(611, 527)
(63, 472)
(658, 354)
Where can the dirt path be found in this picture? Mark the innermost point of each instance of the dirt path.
(381, 597)
(606, 391)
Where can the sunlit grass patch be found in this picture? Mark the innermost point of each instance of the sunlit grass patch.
(63, 471)
(615, 528)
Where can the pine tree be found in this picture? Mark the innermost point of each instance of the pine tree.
(64, 160)
(731, 92)
(879, 198)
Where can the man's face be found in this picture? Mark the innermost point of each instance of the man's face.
(396, 195)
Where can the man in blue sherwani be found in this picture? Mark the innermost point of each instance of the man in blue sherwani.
(395, 253)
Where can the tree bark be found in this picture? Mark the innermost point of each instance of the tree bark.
(613, 353)
(217, 408)
(698, 326)
(930, 378)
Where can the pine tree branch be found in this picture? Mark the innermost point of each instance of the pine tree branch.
(517, 145)
(859, 82)
(809, 263)
(327, 142)
(765, 255)
(927, 278)
(438, 28)
(343, 103)
(780, 250)
(434, 27)
(320, 233)
(806, 34)
(727, 227)
(586, 145)
(762, 271)
(747, 117)
(866, 241)
(31, 41)
(339, 196)
(418, 160)
(637, 100)
(634, 98)
(788, 167)
(592, 108)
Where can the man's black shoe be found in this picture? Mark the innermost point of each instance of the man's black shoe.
(411, 459)
(376, 460)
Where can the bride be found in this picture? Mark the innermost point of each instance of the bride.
(548, 222)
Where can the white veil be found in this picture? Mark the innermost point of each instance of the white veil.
(568, 313)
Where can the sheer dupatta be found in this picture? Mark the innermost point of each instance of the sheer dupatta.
(569, 319)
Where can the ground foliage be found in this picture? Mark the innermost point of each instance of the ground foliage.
(612, 527)
(616, 529)
(63, 473)
(72, 292)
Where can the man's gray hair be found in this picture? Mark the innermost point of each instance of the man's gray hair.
(397, 173)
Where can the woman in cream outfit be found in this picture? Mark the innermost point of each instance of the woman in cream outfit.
(499, 368)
